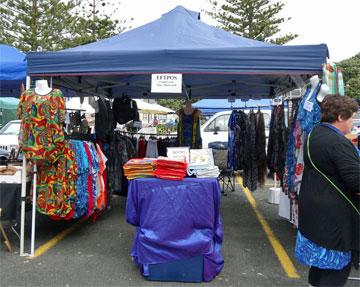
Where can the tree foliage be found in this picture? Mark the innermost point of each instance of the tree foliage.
(351, 73)
(94, 23)
(30, 24)
(253, 19)
(56, 24)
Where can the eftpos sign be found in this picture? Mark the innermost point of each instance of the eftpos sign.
(166, 83)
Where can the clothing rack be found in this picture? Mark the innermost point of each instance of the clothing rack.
(145, 134)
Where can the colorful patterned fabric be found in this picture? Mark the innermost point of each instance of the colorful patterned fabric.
(56, 185)
(309, 110)
(81, 182)
(101, 201)
(311, 254)
(41, 136)
(90, 189)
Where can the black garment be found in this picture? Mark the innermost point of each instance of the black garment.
(125, 109)
(104, 121)
(277, 144)
(325, 217)
(261, 148)
(328, 277)
(120, 151)
(250, 165)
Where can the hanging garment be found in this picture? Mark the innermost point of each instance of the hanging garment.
(151, 149)
(125, 109)
(41, 136)
(120, 151)
(95, 171)
(101, 200)
(250, 165)
(90, 207)
(56, 191)
(189, 129)
(332, 76)
(309, 109)
(104, 121)
(82, 178)
(277, 142)
(141, 147)
(238, 125)
(261, 148)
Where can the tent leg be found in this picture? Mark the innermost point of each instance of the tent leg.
(23, 196)
(33, 213)
(23, 193)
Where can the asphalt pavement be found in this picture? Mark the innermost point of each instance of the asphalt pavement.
(98, 253)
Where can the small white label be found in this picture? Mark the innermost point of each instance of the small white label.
(308, 106)
(166, 83)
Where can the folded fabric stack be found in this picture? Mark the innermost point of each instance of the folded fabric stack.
(212, 171)
(170, 169)
(138, 168)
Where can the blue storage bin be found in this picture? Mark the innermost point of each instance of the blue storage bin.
(185, 270)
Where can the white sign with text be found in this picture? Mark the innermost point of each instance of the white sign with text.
(166, 83)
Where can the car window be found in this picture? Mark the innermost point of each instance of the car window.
(10, 129)
(221, 122)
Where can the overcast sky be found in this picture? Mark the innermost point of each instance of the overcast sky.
(335, 23)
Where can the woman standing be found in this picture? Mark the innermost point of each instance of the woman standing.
(328, 236)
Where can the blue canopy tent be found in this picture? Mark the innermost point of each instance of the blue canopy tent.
(212, 106)
(12, 71)
(214, 63)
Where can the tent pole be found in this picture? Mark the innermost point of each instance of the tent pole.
(33, 212)
(23, 193)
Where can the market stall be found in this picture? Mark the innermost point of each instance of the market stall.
(208, 62)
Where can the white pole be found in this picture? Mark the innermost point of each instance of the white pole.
(33, 213)
(23, 196)
(23, 192)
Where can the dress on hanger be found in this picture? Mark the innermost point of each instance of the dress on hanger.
(189, 129)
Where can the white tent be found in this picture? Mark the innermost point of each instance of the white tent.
(152, 108)
(74, 103)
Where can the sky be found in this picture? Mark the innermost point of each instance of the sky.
(335, 23)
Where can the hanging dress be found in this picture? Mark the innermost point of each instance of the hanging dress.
(189, 129)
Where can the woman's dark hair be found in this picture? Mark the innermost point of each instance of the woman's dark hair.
(334, 106)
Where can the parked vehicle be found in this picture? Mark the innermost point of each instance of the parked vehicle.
(216, 127)
(9, 135)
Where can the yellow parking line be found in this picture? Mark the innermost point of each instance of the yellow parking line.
(279, 250)
(55, 240)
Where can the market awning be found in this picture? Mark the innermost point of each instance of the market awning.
(12, 71)
(214, 63)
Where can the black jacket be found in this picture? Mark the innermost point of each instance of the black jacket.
(325, 217)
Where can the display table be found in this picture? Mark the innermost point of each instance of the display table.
(178, 225)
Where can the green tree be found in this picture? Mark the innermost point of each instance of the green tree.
(56, 24)
(174, 104)
(351, 73)
(95, 24)
(30, 24)
(253, 19)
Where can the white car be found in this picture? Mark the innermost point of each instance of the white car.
(9, 135)
(216, 128)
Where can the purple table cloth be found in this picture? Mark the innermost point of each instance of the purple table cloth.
(176, 220)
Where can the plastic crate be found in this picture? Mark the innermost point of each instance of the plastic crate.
(185, 270)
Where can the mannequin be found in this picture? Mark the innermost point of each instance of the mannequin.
(42, 88)
(324, 91)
